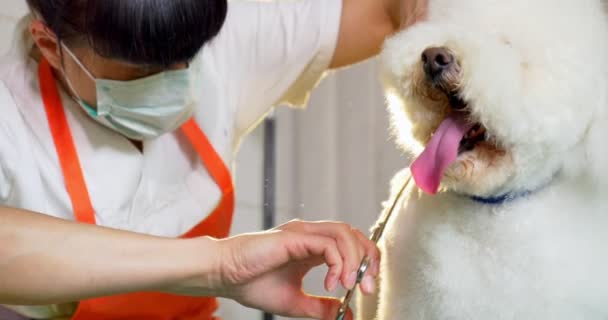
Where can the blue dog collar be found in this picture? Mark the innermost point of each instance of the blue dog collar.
(500, 199)
(510, 197)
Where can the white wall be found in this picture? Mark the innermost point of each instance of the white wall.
(10, 10)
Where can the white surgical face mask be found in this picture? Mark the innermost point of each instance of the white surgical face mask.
(145, 108)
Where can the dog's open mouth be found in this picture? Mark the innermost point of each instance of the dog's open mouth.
(476, 134)
(457, 134)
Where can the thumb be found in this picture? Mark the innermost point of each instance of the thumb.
(322, 308)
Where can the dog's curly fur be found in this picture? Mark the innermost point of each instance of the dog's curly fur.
(535, 74)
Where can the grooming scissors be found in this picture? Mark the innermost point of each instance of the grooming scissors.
(376, 235)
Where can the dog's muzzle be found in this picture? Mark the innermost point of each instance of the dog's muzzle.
(442, 72)
(437, 61)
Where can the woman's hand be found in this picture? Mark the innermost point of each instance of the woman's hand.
(266, 270)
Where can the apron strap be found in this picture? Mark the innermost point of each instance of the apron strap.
(64, 145)
(212, 161)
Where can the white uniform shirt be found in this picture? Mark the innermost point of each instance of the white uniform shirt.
(267, 53)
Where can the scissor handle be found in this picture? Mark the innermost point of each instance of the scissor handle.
(363, 267)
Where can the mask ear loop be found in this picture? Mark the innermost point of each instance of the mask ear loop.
(92, 111)
(73, 56)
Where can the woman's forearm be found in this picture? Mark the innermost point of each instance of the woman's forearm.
(404, 13)
(45, 260)
(365, 24)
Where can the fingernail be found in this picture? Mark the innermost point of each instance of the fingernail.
(351, 280)
(368, 285)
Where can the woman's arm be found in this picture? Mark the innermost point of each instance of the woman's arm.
(366, 23)
(44, 260)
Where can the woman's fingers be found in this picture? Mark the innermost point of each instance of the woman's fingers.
(353, 245)
(351, 249)
(368, 284)
(371, 251)
(307, 245)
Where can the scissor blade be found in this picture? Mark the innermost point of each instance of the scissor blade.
(345, 303)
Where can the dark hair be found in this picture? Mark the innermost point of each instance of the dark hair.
(147, 32)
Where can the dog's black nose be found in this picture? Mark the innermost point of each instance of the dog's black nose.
(437, 60)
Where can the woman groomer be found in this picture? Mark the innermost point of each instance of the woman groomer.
(119, 122)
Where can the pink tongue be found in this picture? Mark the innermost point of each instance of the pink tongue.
(439, 154)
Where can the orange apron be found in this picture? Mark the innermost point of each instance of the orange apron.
(144, 305)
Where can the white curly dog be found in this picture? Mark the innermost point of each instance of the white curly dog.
(503, 105)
